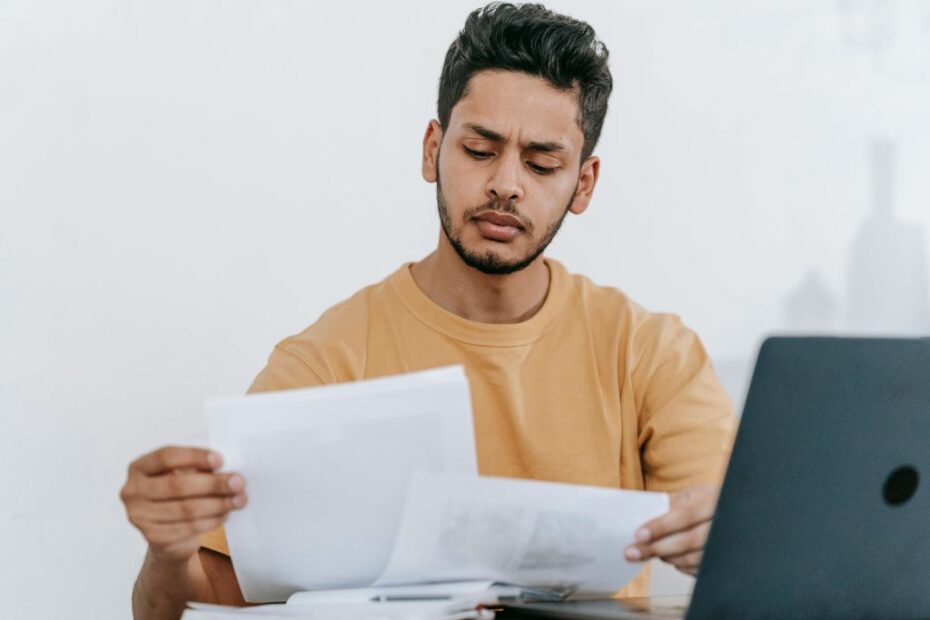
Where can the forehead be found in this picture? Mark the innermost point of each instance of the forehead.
(513, 103)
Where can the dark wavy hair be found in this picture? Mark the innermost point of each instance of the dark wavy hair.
(534, 40)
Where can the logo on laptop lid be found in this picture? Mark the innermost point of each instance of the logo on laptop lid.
(900, 485)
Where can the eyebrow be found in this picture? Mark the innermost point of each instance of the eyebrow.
(549, 146)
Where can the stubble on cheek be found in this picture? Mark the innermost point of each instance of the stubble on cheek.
(497, 258)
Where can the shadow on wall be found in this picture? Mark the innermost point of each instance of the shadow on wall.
(888, 286)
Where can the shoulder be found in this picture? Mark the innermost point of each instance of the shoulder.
(612, 308)
(334, 347)
(643, 337)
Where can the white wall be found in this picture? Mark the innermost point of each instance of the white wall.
(183, 183)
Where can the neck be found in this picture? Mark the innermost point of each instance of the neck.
(477, 296)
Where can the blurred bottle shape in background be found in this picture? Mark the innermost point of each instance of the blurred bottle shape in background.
(811, 307)
(888, 285)
(887, 273)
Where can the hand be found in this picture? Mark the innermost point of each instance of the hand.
(172, 495)
(678, 536)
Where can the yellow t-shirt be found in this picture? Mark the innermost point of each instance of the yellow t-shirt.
(592, 389)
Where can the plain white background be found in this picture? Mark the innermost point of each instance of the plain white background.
(184, 183)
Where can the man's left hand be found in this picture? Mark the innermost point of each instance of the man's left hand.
(678, 536)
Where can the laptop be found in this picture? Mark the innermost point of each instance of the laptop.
(824, 510)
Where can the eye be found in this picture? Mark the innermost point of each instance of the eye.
(477, 154)
(540, 169)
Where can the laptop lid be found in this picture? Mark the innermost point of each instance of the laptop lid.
(825, 510)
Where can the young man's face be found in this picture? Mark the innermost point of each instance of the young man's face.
(508, 169)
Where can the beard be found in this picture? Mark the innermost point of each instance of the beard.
(490, 262)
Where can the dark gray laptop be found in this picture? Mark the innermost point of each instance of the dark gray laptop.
(822, 512)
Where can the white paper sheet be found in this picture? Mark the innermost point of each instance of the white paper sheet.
(522, 532)
(477, 591)
(327, 470)
(419, 610)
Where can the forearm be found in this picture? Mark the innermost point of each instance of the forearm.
(174, 495)
(162, 589)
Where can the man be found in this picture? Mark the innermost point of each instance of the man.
(570, 382)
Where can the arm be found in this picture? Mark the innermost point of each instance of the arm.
(686, 432)
(172, 496)
(165, 584)
(207, 576)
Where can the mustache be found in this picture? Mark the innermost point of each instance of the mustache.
(500, 206)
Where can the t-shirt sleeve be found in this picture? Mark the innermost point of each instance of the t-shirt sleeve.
(284, 370)
(686, 421)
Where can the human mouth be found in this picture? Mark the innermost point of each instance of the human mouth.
(498, 226)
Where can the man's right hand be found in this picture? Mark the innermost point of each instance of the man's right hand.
(173, 495)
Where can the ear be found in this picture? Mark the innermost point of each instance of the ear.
(587, 179)
(431, 141)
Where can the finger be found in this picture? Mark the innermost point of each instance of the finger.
(678, 543)
(163, 535)
(689, 507)
(181, 486)
(175, 457)
(191, 509)
(687, 562)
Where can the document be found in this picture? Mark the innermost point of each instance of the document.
(562, 537)
(368, 493)
(418, 610)
(327, 471)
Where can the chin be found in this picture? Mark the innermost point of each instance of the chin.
(495, 250)
(494, 263)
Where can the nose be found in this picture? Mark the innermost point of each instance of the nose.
(506, 182)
